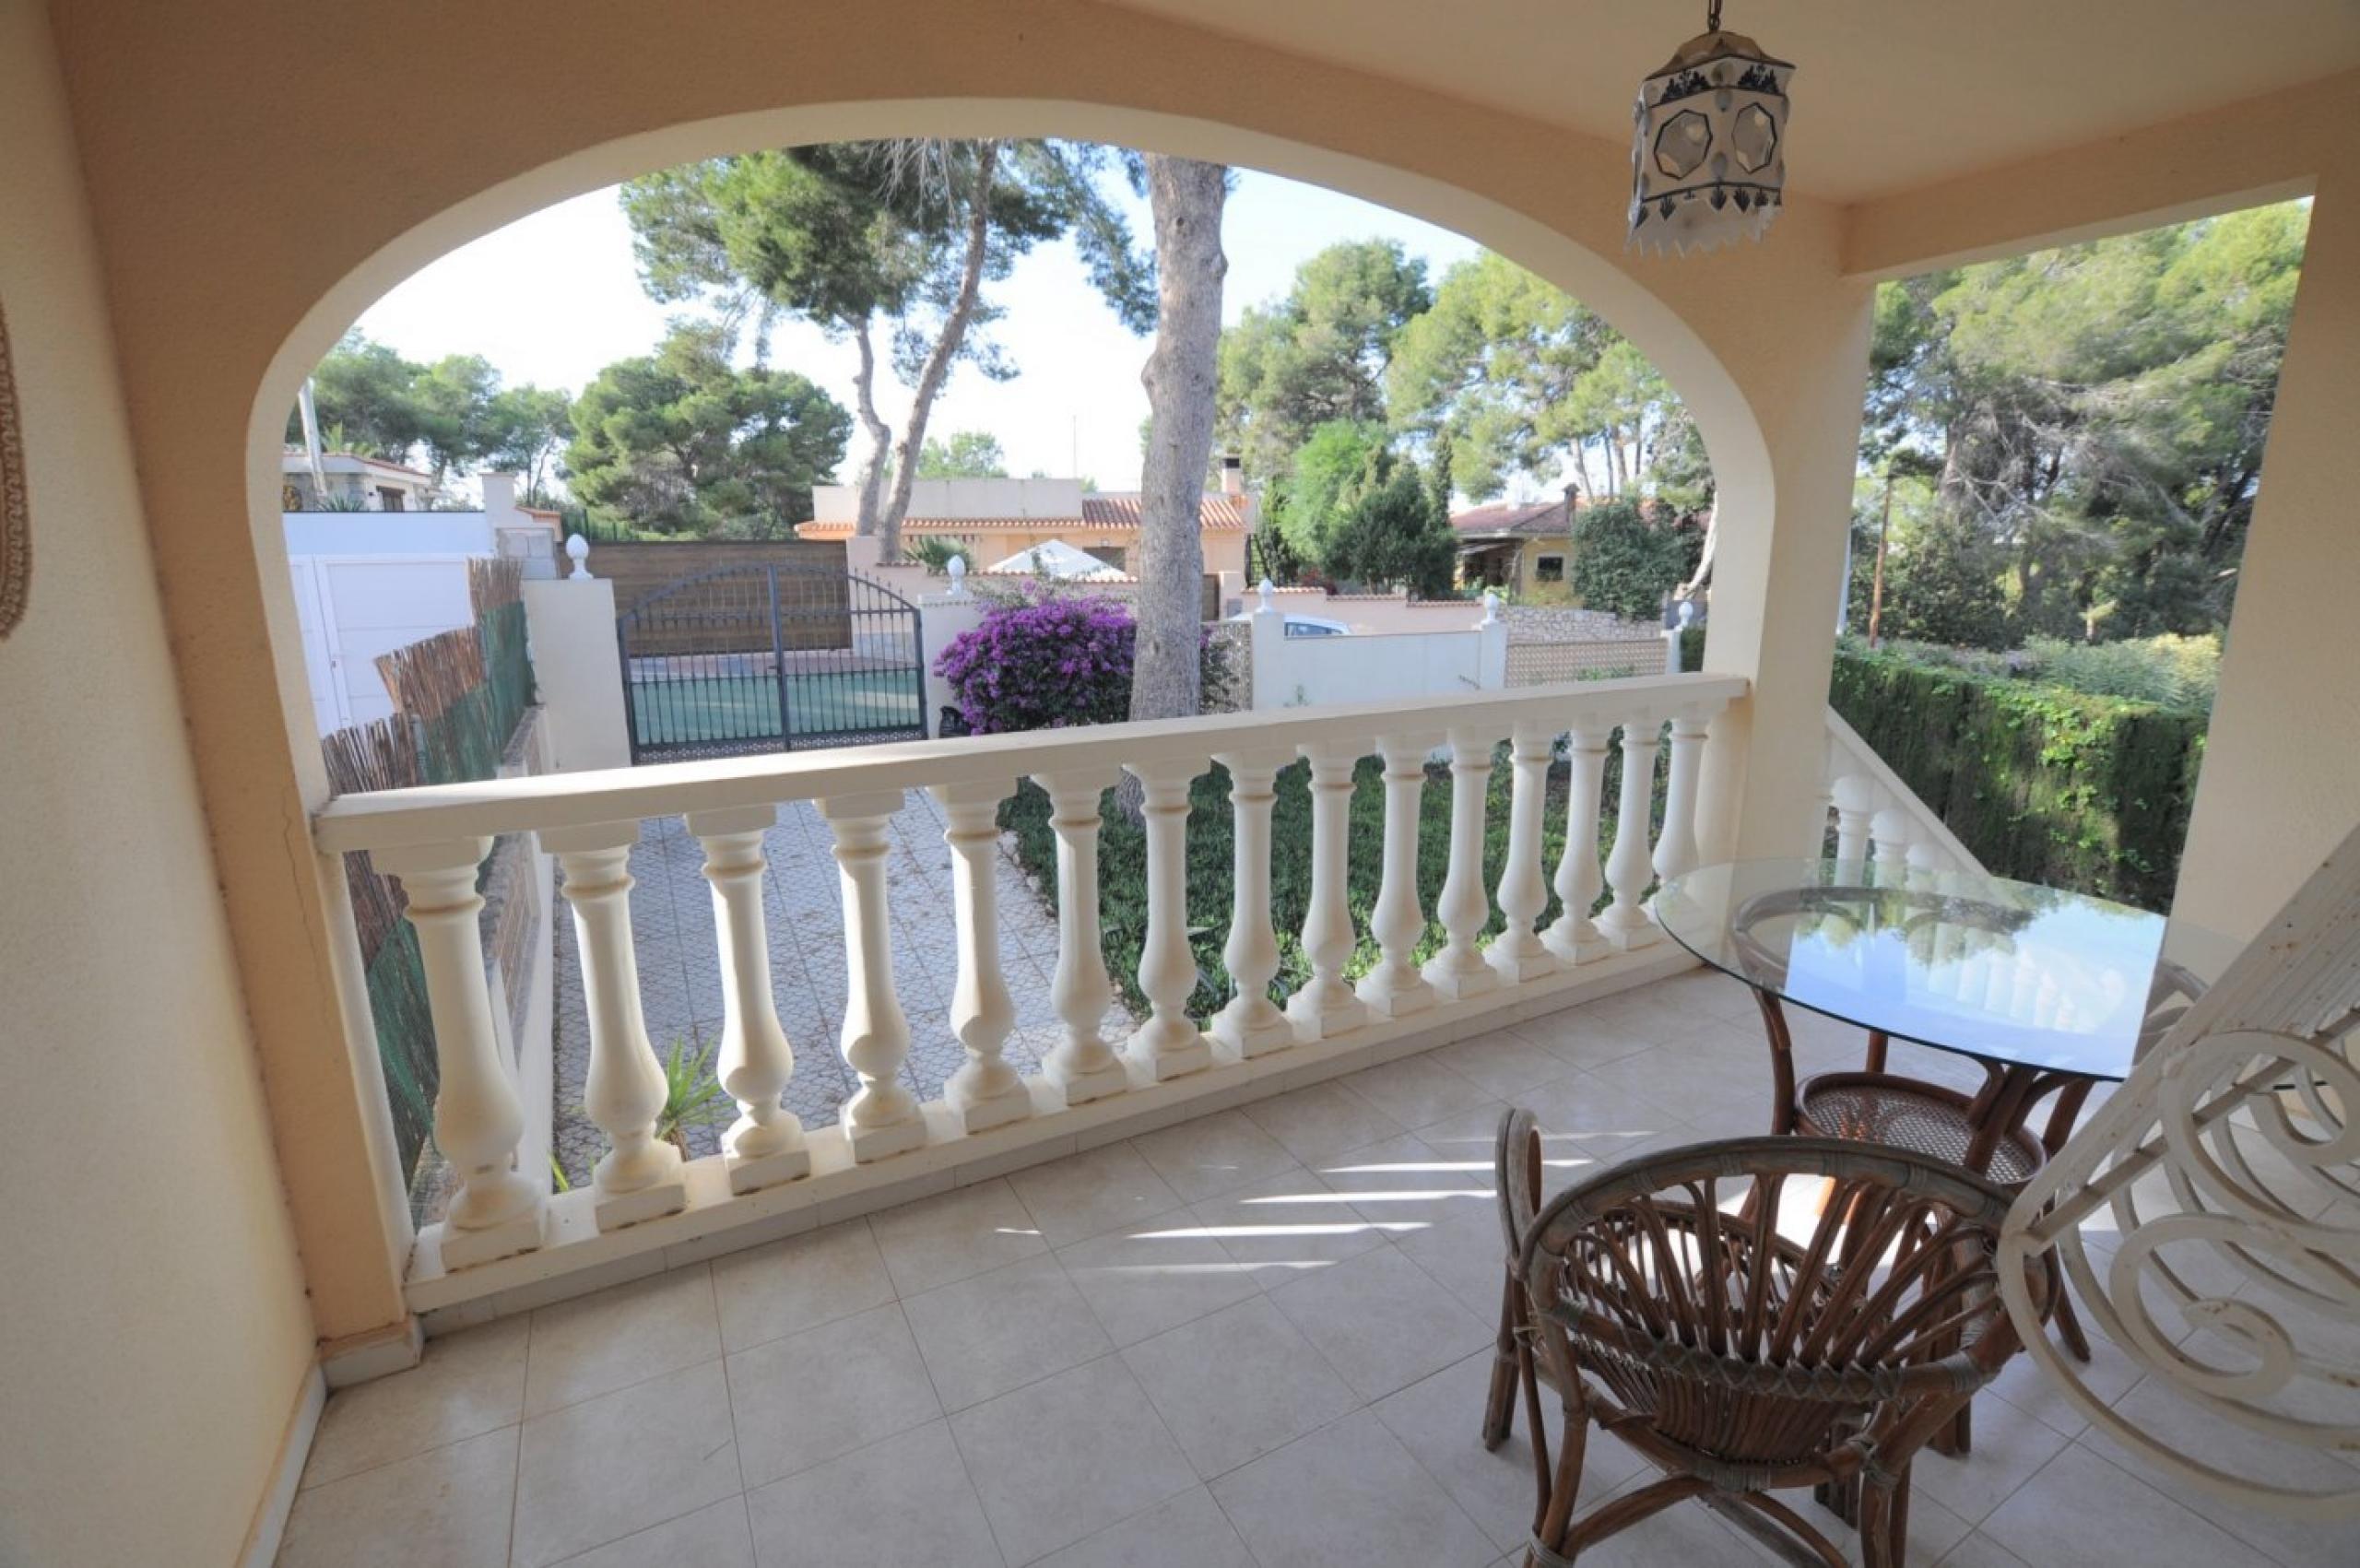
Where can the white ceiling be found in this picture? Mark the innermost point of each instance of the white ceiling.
(1890, 94)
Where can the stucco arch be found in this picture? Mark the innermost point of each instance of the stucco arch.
(1732, 436)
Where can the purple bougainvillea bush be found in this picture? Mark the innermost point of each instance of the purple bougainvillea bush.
(1042, 662)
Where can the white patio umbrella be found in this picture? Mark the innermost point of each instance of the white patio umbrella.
(1054, 558)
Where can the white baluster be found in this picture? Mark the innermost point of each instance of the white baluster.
(1084, 1066)
(883, 1117)
(1889, 833)
(1396, 987)
(985, 1092)
(1167, 1044)
(1516, 953)
(1626, 921)
(477, 1116)
(1325, 1005)
(1251, 1024)
(1855, 799)
(765, 1145)
(1676, 844)
(1579, 881)
(639, 1177)
(1459, 971)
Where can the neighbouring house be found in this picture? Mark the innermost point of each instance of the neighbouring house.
(999, 518)
(1515, 546)
(353, 483)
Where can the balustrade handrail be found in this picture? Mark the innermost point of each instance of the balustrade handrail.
(431, 814)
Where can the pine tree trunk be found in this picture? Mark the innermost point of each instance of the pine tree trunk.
(880, 436)
(945, 349)
(1180, 378)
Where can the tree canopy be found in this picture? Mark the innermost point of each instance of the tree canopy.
(682, 442)
(963, 454)
(2095, 417)
(454, 415)
(1319, 354)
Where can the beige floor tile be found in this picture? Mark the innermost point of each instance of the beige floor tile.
(1980, 1550)
(2009, 1448)
(798, 1284)
(466, 1384)
(1349, 1496)
(1686, 1534)
(445, 1508)
(1062, 1459)
(1440, 1420)
(2080, 1511)
(1214, 1154)
(811, 1396)
(1578, 1040)
(1235, 1386)
(1320, 1121)
(613, 1466)
(1601, 1116)
(1466, 1254)
(1286, 1225)
(2154, 1408)
(1190, 1531)
(1089, 1194)
(1381, 1322)
(998, 1331)
(599, 1343)
(710, 1537)
(1403, 1184)
(905, 1500)
(1502, 1063)
(954, 1234)
(1416, 1089)
(1146, 1280)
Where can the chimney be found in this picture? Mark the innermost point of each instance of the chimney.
(499, 498)
(1232, 474)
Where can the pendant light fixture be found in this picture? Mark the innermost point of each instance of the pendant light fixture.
(1709, 160)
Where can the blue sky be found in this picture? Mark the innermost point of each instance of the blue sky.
(552, 298)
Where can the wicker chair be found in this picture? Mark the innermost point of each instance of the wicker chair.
(1740, 1360)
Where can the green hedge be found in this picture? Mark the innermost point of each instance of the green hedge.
(2044, 784)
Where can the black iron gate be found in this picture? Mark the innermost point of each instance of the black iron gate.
(770, 658)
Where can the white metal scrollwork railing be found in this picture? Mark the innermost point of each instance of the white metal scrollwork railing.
(2208, 1219)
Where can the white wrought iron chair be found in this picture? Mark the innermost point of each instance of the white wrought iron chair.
(2230, 1162)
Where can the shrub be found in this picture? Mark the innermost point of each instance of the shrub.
(1626, 563)
(2174, 672)
(2044, 784)
(1042, 661)
(934, 552)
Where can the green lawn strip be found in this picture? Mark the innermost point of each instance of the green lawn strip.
(1122, 866)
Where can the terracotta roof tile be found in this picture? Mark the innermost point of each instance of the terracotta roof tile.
(1534, 520)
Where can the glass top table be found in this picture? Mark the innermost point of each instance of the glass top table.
(2011, 973)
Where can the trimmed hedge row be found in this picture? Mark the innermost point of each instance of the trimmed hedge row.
(2043, 784)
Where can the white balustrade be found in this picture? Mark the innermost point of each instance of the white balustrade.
(883, 1117)
(1325, 1007)
(1396, 987)
(1626, 922)
(1168, 1046)
(1251, 1024)
(639, 1177)
(1573, 937)
(590, 822)
(1084, 1065)
(1518, 952)
(477, 1118)
(1877, 812)
(1854, 797)
(986, 1092)
(1459, 971)
(765, 1145)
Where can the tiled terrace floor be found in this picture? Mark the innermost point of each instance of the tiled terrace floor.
(1256, 1339)
(679, 965)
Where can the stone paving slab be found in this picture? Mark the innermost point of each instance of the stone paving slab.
(679, 965)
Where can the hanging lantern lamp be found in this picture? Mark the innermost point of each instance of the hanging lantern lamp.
(1709, 160)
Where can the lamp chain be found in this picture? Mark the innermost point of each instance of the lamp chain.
(1712, 15)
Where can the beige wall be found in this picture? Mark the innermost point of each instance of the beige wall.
(153, 1334)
